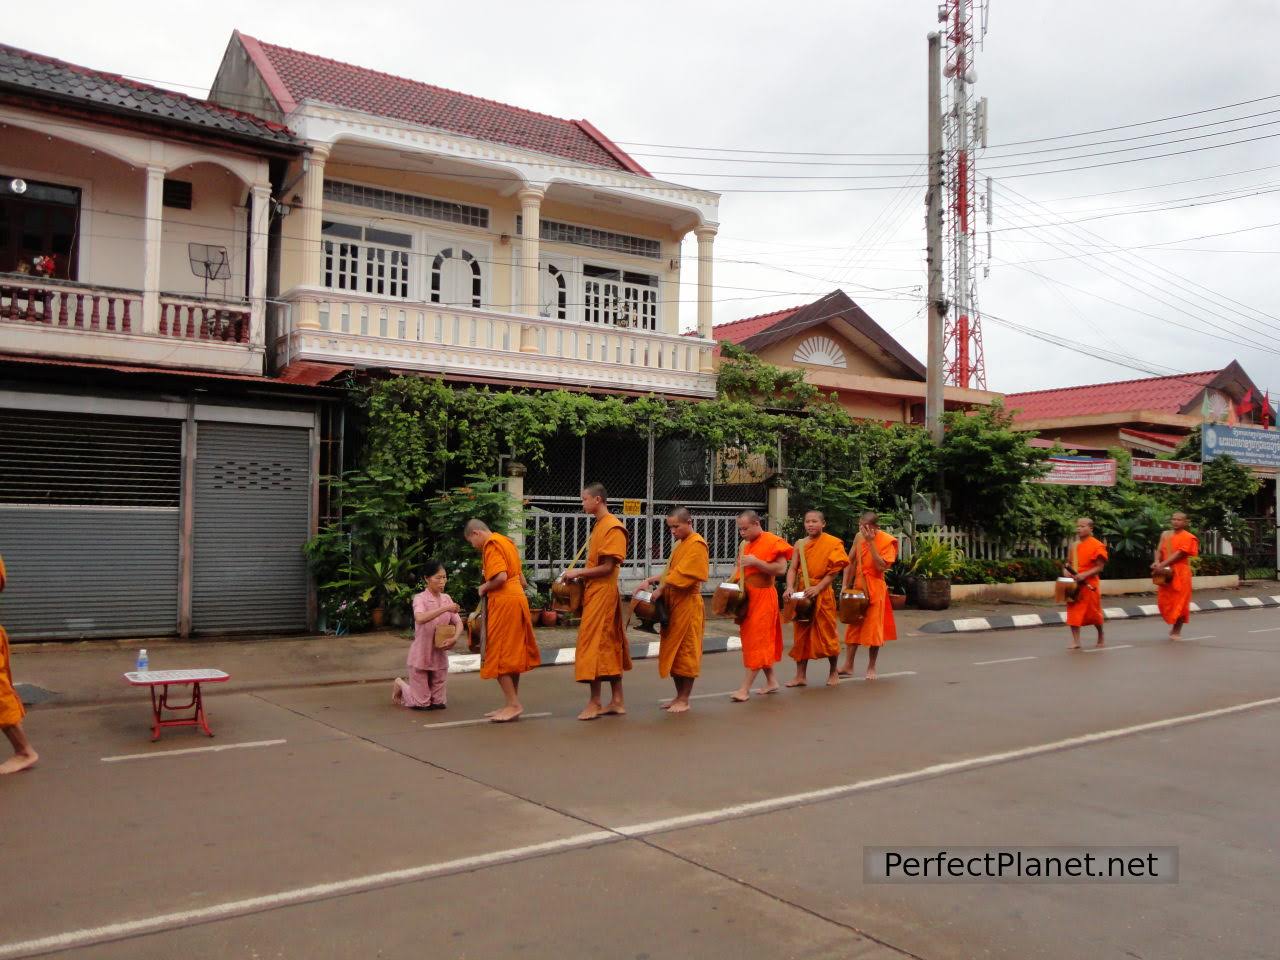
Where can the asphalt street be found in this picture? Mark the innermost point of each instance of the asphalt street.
(328, 823)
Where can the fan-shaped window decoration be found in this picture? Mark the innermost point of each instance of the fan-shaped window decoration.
(820, 352)
(456, 278)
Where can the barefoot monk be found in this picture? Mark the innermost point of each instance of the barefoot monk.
(872, 553)
(11, 710)
(817, 560)
(764, 559)
(602, 652)
(510, 648)
(1088, 557)
(1173, 561)
(680, 591)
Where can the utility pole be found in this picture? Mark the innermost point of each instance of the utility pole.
(933, 404)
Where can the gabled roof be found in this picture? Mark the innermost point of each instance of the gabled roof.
(1176, 394)
(836, 309)
(293, 76)
(22, 71)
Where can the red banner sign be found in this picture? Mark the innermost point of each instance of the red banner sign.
(1183, 472)
(1080, 472)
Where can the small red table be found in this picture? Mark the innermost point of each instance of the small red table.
(164, 679)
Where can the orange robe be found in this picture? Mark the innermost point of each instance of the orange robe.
(509, 646)
(820, 637)
(762, 630)
(603, 653)
(1086, 608)
(11, 709)
(1174, 597)
(878, 626)
(680, 649)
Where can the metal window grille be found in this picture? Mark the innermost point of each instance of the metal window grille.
(428, 208)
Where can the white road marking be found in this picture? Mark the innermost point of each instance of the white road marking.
(1223, 604)
(971, 623)
(654, 647)
(1150, 609)
(1116, 646)
(987, 663)
(882, 676)
(86, 936)
(733, 643)
(1266, 630)
(222, 911)
(833, 793)
(566, 655)
(190, 750)
(1253, 601)
(1116, 613)
(1189, 639)
(469, 723)
(1026, 619)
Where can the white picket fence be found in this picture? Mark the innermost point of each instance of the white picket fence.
(976, 545)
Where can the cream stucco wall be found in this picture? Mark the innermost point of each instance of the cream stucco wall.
(110, 239)
(499, 244)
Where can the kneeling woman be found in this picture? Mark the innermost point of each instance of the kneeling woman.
(428, 662)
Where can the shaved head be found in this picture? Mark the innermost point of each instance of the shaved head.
(750, 516)
(475, 525)
(870, 516)
(680, 513)
(595, 490)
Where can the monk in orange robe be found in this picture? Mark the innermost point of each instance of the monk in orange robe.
(603, 653)
(11, 710)
(1088, 557)
(680, 590)
(764, 559)
(872, 553)
(823, 558)
(1173, 557)
(510, 648)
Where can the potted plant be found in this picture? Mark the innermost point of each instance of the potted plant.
(895, 579)
(932, 564)
(381, 579)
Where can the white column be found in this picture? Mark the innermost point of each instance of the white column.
(530, 230)
(312, 205)
(260, 214)
(151, 249)
(777, 507)
(706, 236)
(515, 490)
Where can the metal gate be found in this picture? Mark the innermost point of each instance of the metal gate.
(251, 517)
(645, 477)
(89, 524)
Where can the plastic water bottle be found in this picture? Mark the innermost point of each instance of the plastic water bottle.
(143, 663)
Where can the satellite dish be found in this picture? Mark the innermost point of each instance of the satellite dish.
(970, 75)
(209, 261)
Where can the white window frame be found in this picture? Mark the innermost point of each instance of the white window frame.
(365, 263)
(434, 244)
(639, 304)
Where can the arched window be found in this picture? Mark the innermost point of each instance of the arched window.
(457, 278)
(820, 352)
(553, 297)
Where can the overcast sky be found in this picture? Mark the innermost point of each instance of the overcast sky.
(849, 77)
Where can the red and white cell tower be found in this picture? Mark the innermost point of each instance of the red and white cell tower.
(964, 129)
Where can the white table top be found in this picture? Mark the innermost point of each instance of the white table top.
(145, 678)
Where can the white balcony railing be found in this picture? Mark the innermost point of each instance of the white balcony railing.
(488, 344)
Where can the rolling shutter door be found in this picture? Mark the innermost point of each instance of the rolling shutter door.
(89, 524)
(252, 516)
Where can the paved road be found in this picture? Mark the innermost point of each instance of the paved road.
(736, 831)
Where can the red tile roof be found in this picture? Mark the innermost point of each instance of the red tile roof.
(294, 76)
(737, 331)
(1166, 394)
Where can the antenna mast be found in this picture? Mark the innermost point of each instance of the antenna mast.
(964, 126)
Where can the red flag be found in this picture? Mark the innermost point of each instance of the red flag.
(1266, 409)
(1245, 405)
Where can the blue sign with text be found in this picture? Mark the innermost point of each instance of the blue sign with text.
(1248, 445)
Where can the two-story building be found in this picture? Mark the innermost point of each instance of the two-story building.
(153, 479)
(436, 232)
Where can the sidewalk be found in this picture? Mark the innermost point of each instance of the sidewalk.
(89, 672)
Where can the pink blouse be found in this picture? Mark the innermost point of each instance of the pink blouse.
(423, 654)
